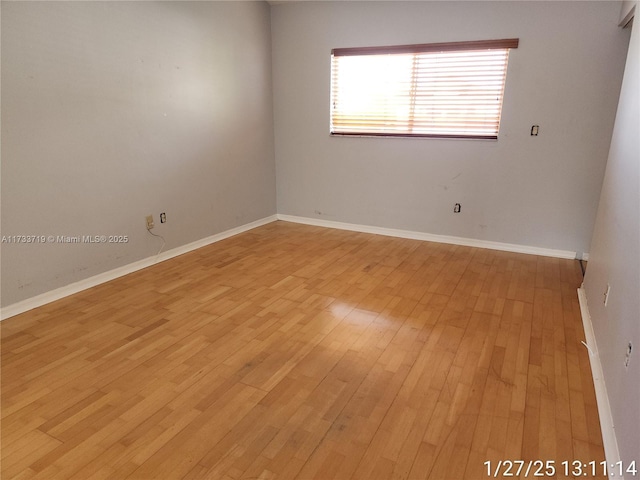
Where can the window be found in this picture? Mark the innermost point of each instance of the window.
(450, 90)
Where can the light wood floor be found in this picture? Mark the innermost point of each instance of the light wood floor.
(293, 351)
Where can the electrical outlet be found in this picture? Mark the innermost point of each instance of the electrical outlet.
(456, 208)
(150, 224)
(606, 295)
(163, 217)
(627, 356)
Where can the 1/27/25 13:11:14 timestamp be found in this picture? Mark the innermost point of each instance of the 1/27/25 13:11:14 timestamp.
(550, 468)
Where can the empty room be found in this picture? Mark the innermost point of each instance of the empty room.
(320, 240)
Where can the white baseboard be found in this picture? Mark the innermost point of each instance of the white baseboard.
(429, 237)
(58, 293)
(53, 295)
(611, 452)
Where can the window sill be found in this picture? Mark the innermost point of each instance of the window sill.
(403, 135)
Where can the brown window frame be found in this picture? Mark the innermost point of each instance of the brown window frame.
(427, 93)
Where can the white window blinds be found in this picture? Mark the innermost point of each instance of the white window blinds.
(432, 90)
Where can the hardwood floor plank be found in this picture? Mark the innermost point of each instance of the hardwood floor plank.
(293, 351)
